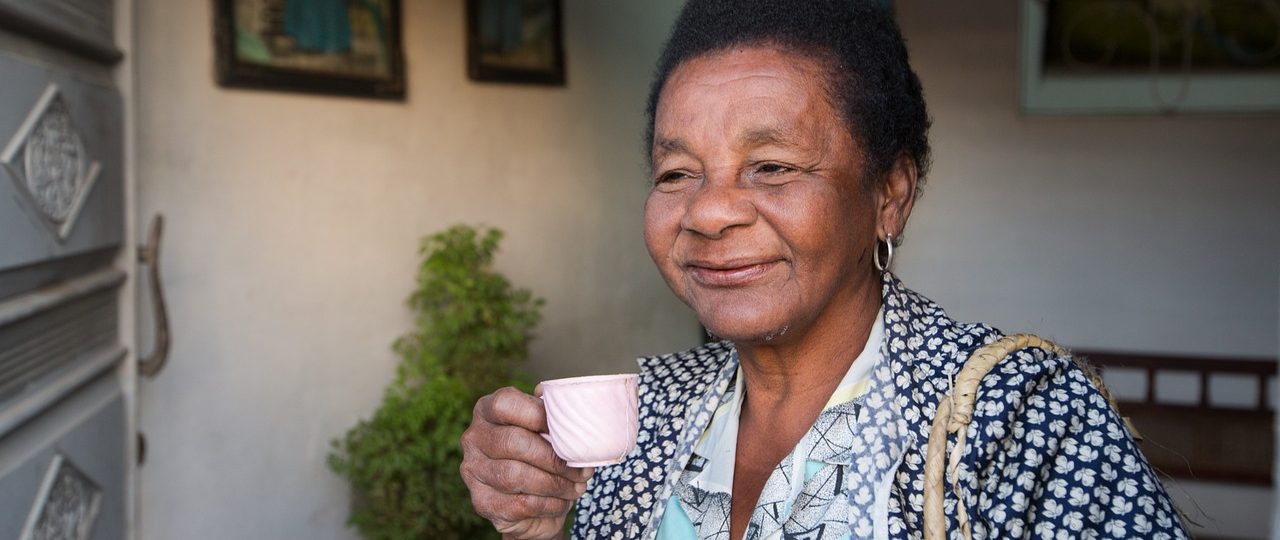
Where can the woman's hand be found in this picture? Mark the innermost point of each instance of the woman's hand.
(516, 480)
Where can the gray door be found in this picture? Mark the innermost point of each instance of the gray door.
(63, 440)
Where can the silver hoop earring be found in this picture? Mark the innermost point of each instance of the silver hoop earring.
(888, 260)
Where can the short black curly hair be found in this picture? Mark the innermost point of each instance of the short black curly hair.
(876, 90)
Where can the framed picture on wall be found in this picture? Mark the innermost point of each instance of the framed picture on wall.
(1102, 56)
(517, 41)
(343, 47)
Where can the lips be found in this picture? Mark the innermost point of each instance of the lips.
(729, 273)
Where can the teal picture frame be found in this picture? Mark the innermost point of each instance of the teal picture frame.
(311, 46)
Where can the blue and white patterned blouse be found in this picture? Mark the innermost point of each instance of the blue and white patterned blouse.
(1047, 457)
(800, 485)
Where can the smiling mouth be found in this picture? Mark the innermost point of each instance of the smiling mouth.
(728, 275)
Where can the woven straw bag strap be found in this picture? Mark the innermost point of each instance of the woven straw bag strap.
(955, 412)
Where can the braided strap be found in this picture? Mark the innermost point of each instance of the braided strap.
(955, 412)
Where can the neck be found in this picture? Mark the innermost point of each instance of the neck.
(802, 367)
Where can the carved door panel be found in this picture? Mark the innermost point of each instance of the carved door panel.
(63, 440)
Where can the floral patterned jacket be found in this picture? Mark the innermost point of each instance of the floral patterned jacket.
(1047, 456)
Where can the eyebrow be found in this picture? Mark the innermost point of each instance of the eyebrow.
(671, 146)
(753, 138)
(765, 137)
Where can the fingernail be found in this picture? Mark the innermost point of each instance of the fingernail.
(580, 489)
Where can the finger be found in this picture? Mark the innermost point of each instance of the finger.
(515, 477)
(517, 508)
(537, 391)
(583, 474)
(510, 442)
(531, 529)
(499, 507)
(512, 407)
(542, 507)
(503, 478)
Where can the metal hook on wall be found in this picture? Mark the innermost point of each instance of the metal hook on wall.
(149, 255)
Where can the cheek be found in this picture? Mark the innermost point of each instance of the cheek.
(661, 229)
(822, 229)
(805, 217)
(661, 226)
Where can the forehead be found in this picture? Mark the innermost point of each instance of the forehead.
(744, 62)
(744, 90)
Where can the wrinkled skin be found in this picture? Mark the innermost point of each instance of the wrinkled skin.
(516, 480)
(758, 218)
(762, 220)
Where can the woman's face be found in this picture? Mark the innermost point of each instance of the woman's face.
(758, 218)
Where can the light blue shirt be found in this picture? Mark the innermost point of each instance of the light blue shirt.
(710, 473)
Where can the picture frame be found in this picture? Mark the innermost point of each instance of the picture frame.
(516, 41)
(1155, 86)
(337, 47)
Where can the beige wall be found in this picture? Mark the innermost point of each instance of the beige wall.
(1144, 233)
(1139, 233)
(293, 224)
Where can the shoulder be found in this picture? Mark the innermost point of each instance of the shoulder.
(1054, 455)
(1041, 387)
(931, 349)
(1037, 391)
(1039, 409)
(1046, 452)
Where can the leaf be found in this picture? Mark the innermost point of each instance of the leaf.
(471, 334)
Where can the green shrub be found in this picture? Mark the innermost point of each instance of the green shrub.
(472, 330)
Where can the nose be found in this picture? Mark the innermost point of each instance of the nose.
(718, 206)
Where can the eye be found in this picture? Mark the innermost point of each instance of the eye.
(671, 176)
(773, 168)
(772, 173)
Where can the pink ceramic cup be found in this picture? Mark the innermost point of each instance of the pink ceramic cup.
(592, 420)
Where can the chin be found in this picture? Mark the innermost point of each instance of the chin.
(744, 329)
(744, 316)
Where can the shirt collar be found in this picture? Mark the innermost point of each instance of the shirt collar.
(718, 444)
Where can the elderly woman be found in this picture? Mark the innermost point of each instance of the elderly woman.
(788, 145)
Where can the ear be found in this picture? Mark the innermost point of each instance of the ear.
(896, 196)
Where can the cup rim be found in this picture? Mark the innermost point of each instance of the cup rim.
(589, 379)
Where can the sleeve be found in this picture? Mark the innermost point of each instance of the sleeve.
(1052, 459)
